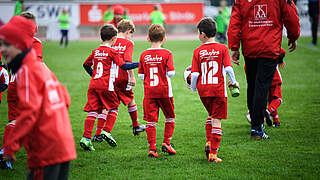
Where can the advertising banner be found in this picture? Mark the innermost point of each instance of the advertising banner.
(175, 13)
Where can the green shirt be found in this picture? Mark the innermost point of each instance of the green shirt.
(64, 21)
(126, 17)
(107, 16)
(222, 20)
(157, 17)
(17, 9)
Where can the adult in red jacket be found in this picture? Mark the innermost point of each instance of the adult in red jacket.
(258, 26)
(42, 126)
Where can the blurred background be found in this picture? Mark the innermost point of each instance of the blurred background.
(86, 16)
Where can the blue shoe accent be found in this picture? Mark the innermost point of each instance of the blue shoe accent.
(255, 134)
(1, 151)
(87, 139)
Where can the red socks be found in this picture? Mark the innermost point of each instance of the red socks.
(168, 130)
(208, 128)
(111, 119)
(215, 139)
(7, 132)
(151, 135)
(89, 124)
(101, 121)
(274, 104)
(134, 115)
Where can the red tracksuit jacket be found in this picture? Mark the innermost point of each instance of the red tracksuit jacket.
(42, 126)
(259, 24)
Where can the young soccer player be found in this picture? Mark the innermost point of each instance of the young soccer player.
(42, 125)
(101, 88)
(124, 80)
(275, 95)
(155, 69)
(4, 79)
(210, 62)
(12, 92)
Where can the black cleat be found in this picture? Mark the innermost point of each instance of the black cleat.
(138, 129)
(97, 138)
(268, 118)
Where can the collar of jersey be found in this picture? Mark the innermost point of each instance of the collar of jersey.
(154, 48)
(106, 45)
(210, 42)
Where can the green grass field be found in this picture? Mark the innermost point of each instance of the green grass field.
(293, 152)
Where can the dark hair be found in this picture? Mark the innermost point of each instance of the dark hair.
(156, 32)
(29, 15)
(107, 32)
(125, 25)
(208, 26)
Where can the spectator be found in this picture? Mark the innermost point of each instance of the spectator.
(19, 7)
(258, 27)
(108, 14)
(126, 14)
(64, 27)
(156, 16)
(118, 13)
(314, 18)
(222, 21)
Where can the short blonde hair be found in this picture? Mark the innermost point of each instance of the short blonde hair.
(125, 25)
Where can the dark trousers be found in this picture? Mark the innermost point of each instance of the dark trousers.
(64, 35)
(260, 72)
(58, 171)
(314, 18)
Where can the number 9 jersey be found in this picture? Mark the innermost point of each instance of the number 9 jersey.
(209, 60)
(154, 65)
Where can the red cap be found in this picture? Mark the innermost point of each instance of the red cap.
(118, 10)
(19, 32)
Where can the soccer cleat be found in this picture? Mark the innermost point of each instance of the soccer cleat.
(268, 118)
(213, 158)
(207, 148)
(86, 144)
(153, 154)
(107, 136)
(4, 164)
(138, 129)
(97, 138)
(276, 123)
(255, 134)
(168, 148)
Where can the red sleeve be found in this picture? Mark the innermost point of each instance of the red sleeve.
(195, 67)
(37, 46)
(128, 53)
(290, 19)
(116, 58)
(89, 61)
(234, 27)
(226, 61)
(30, 100)
(140, 69)
(170, 66)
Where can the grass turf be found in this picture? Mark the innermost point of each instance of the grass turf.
(292, 152)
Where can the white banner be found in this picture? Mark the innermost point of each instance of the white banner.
(46, 13)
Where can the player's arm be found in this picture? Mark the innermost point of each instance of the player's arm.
(228, 68)
(234, 32)
(140, 69)
(87, 65)
(128, 58)
(170, 67)
(195, 71)
(124, 65)
(30, 100)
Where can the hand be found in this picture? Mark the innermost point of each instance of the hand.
(236, 85)
(235, 57)
(132, 82)
(281, 65)
(10, 158)
(292, 45)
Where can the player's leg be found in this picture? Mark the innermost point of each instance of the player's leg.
(167, 107)
(101, 122)
(67, 38)
(151, 114)
(275, 103)
(207, 103)
(132, 109)
(61, 39)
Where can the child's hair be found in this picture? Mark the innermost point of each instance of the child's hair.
(107, 32)
(156, 32)
(29, 15)
(208, 26)
(125, 25)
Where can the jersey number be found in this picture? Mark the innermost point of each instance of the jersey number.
(208, 77)
(154, 79)
(99, 71)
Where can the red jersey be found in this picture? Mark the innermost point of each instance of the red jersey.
(125, 50)
(102, 60)
(42, 126)
(259, 24)
(11, 92)
(4, 79)
(154, 65)
(209, 60)
(277, 80)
